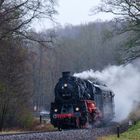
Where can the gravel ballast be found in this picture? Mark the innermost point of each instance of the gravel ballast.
(81, 134)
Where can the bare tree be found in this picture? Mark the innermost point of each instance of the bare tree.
(127, 11)
(16, 16)
(15, 87)
(127, 20)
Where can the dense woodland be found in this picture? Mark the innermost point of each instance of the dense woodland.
(31, 63)
(78, 48)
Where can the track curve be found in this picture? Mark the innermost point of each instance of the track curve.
(80, 134)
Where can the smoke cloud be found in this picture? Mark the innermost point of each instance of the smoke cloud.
(124, 81)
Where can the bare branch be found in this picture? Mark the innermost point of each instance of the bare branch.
(17, 16)
(129, 10)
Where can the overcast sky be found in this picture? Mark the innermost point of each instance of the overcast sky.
(73, 12)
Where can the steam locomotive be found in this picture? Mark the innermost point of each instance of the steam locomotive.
(79, 103)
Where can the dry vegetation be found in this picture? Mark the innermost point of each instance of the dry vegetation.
(34, 125)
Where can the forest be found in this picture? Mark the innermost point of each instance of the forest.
(32, 62)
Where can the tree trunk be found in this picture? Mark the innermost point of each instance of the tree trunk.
(3, 116)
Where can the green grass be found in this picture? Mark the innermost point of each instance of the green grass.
(133, 133)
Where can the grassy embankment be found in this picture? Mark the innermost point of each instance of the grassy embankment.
(133, 133)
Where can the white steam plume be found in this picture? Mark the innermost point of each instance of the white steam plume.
(124, 82)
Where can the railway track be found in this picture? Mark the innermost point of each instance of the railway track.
(24, 133)
(78, 134)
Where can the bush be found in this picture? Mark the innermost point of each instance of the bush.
(135, 114)
(26, 120)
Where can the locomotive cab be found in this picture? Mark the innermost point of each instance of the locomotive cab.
(104, 99)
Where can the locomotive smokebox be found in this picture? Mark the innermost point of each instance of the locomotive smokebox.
(66, 74)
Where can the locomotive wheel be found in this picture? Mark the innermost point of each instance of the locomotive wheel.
(59, 129)
(77, 123)
(88, 125)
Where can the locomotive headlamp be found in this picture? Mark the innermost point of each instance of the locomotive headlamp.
(77, 109)
(65, 85)
(55, 110)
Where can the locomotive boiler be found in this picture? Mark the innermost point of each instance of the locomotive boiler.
(80, 102)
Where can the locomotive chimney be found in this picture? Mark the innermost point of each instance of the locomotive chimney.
(66, 74)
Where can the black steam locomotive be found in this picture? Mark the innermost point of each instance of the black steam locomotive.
(79, 103)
